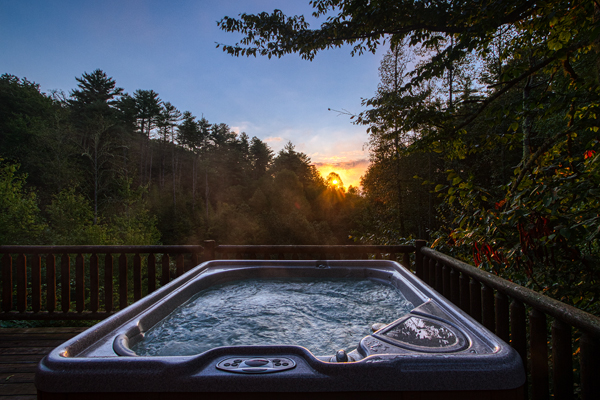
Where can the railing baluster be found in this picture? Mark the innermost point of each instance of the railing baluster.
(122, 281)
(137, 277)
(165, 276)
(518, 332)
(538, 346)
(502, 319)
(405, 260)
(465, 293)
(36, 283)
(7, 283)
(94, 283)
(562, 361)
(425, 270)
(152, 273)
(454, 287)
(487, 305)
(446, 281)
(590, 367)
(432, 276)
(179, 264)
(65, 283)
(21, 283)
(475, 290)
(419, 258)
(439, 284)
(50, 282)
(108, 283)
(194, 260)
(79, 283)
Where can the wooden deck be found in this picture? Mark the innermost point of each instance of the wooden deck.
(20, 352)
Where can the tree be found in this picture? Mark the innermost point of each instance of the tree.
(529, 88)
(95, 118)
(261, 157)
(19, 213)
(148, 107)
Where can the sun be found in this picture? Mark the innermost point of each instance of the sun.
(335, 181)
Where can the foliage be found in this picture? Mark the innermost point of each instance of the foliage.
(503, 101)
(19, 213)
(114, 168)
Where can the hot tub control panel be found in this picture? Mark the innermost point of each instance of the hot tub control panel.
(256, 365)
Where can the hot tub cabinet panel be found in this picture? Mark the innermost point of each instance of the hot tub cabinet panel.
(434, 351)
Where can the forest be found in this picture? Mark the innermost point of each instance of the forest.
(483, 130)
(100, 166)
(483, 138)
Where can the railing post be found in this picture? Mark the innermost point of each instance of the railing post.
(7, 283)
(419, 257)
(122, 281)
(65, 283)
(79, 283)
(165, 270)
(475, 289)
(425, 270)
(539, 355)
(209, 250)
(179, 264)
(432, 280)
(94, 283)
(36, 283)
(487, 305)
(439, 284)
(502, 319)
(454, 287)
(446, 281)
(21, 283)
(406, 260)
(151, 273)
(137, 277)
(465, 297)
(108, 282)
(562, 361)
(50, 282)
(590, 367)
(518, 332)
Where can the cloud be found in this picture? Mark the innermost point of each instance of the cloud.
(272, 139)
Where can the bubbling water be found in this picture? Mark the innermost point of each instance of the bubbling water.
(323, 315)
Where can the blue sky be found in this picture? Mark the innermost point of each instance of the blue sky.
(169, 47)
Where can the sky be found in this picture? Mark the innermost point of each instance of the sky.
(170, 47)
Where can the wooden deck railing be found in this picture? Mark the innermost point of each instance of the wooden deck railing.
(108, 278)
(508, 310)
(101, 284)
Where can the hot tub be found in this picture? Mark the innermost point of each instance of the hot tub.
(431, 349)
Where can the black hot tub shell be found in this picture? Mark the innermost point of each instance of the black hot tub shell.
(463, 360)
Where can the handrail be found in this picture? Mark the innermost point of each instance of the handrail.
(567, 313)
(101, 249)
(317, 249)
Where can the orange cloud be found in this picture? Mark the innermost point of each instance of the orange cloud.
(349, 171)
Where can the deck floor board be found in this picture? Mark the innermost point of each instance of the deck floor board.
(20, 352)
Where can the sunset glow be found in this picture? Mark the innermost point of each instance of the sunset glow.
(349, 172)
